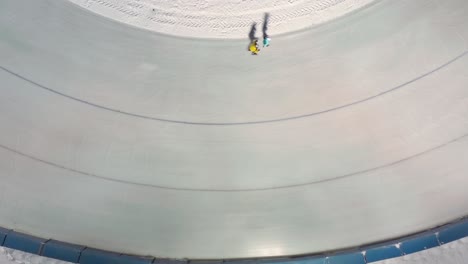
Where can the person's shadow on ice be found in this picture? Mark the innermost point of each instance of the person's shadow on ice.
(253, 44)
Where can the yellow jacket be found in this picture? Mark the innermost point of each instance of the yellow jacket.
(253, 47)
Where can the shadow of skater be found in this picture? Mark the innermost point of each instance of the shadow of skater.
(266, 38)
(253, 46)
(253, 31)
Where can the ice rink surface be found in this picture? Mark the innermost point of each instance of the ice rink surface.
(349, 133)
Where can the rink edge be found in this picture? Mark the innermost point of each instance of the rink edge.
(358, 255)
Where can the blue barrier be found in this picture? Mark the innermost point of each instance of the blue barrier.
(318, 259)
(96, 256)
(3, 235)
(24, 242)
(309, 260)
(381, 253)
(419, 243)
(62, 251)
(454, 232)
(170, 261)
(350, 258)
(127, 259)
(81, 254)
(241, 261)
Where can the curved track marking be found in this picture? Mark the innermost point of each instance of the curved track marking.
(184, 122)
(235, 190)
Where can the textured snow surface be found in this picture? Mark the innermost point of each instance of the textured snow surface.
(220, 18)
(11, 256)
(451, 253)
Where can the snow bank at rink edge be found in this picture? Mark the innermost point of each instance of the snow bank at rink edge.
(230, 19)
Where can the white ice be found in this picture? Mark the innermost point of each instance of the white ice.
(344, 134)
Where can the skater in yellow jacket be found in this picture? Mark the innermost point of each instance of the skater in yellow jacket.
(253, 47)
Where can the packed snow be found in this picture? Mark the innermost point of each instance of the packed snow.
(221, 18)
(455, 252)
(12, 256)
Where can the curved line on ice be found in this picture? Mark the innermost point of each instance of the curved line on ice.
(235, 190)
(458, 57)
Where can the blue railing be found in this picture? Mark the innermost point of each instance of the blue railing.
(359, 255)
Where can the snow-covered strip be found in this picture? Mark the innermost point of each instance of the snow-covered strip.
(220, 18)
(13, 256)
(455, 252)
